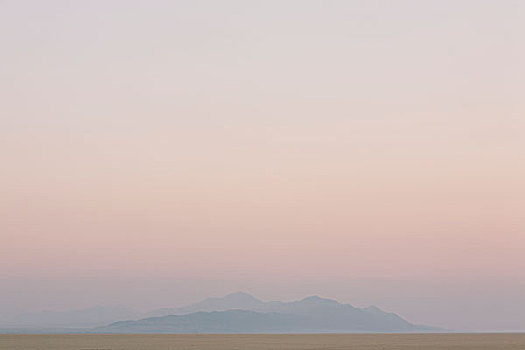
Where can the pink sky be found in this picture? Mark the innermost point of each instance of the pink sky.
(369, 151)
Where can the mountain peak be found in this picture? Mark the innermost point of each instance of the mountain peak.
(373, 309)
(317, 299)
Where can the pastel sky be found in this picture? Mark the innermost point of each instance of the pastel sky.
(157, 152)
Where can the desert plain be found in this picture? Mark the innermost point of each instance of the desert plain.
(508, 341)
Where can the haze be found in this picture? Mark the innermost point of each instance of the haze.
(158, 152)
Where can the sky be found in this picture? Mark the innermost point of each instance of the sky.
(158, 152)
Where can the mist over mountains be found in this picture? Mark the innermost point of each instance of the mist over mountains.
(233, 313)
(238, 300)
(243, 313)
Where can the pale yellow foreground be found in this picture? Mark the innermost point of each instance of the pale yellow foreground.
(263, 342)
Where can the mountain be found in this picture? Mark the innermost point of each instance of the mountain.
(234, 313)
(309, 315)
(239, 300)
(230, 321)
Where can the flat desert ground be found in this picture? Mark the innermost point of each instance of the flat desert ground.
(263, 342)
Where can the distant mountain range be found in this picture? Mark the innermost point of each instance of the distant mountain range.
(239, 300)
(234, 313)
(243, 313)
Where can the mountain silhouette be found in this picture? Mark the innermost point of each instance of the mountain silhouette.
(243, 313)
(238, 300)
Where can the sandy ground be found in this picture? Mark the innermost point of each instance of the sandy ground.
(261, 342)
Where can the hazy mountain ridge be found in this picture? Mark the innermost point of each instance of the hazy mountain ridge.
(234, 313)
(245, 301)
(309, 315)
(229, 321)
(238, 300)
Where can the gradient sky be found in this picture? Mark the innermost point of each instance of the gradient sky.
(157, 152)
